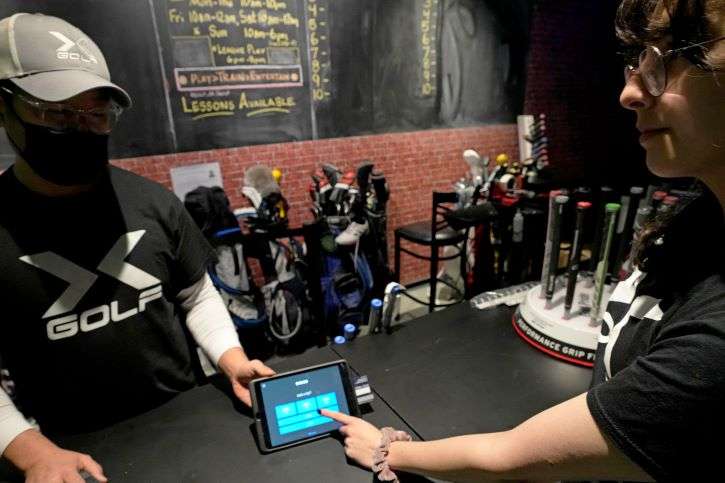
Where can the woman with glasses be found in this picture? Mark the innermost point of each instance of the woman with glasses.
(655, 407)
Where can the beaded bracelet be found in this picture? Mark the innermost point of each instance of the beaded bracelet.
(380, 456)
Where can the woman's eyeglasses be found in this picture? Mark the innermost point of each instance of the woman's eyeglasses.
(652, 66)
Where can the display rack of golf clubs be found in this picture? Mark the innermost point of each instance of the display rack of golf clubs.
(562, 315)
(505, 220)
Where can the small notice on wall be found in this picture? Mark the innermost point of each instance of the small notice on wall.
(188, 178)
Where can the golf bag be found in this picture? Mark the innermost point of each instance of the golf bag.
(347, 282)
(230, 274)
(282, 260)
(356, 269)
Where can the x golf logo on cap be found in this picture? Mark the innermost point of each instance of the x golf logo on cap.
(52, 60)
(63, 53)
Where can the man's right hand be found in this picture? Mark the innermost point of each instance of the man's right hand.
(63, 466)
(44, 462)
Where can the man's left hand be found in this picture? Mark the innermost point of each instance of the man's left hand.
(241, 371)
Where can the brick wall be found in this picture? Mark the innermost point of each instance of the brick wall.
(414, 163)
(575, 77)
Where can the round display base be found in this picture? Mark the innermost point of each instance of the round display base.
(572, 339)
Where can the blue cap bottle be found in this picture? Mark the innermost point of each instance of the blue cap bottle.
(350, 331)
(376, 306)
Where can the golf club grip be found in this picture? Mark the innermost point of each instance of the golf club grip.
(605, 196)
(575, 255)
(625, 240)
(547, 245)
(600, 276)
(559, 203)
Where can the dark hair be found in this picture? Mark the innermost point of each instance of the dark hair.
(686, 22)
(648, 235)
(683, 248)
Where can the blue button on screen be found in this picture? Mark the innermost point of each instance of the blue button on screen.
(306, 405)
(285, 410)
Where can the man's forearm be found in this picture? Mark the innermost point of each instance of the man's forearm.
(208, 319)
(12, 422)
(27, 448)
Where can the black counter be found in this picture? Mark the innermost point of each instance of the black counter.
(462, 370)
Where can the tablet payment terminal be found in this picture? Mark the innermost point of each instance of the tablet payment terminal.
(286, 405)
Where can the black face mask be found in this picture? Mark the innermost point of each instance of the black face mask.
(67, 158)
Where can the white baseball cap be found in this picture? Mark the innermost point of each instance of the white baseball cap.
(52, 60)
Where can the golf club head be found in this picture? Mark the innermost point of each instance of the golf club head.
(363, 176)
(382, 193)
(331, 173)
(476, 164)
(342, 186)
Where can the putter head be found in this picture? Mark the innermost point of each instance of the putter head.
(365, 168)
(363, 173)
(331, 173)
(382, 193)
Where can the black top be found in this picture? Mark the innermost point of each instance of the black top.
(91, 331)
(659, 381)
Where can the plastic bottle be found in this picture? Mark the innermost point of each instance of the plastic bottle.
(350, 331)
(376, 307)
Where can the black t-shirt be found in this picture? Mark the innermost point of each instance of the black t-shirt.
(91, 332)
(658, 388)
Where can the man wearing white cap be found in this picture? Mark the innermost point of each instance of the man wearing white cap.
(105, 291)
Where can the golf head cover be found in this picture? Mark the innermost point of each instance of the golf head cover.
(261, 179)
(472, 157)
(253, 195)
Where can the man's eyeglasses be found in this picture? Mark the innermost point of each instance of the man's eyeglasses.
(60, 117)
(652, 66)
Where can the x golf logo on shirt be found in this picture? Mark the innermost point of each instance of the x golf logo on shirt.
(80, 281)
(63, 52)
(625, 307)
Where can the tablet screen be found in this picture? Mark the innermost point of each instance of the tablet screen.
(290, 404)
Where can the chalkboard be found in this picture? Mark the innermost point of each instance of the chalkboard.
(208, 74)
(124, 31)
(237, 71)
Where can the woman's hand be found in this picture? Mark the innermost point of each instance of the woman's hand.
(361, 437)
